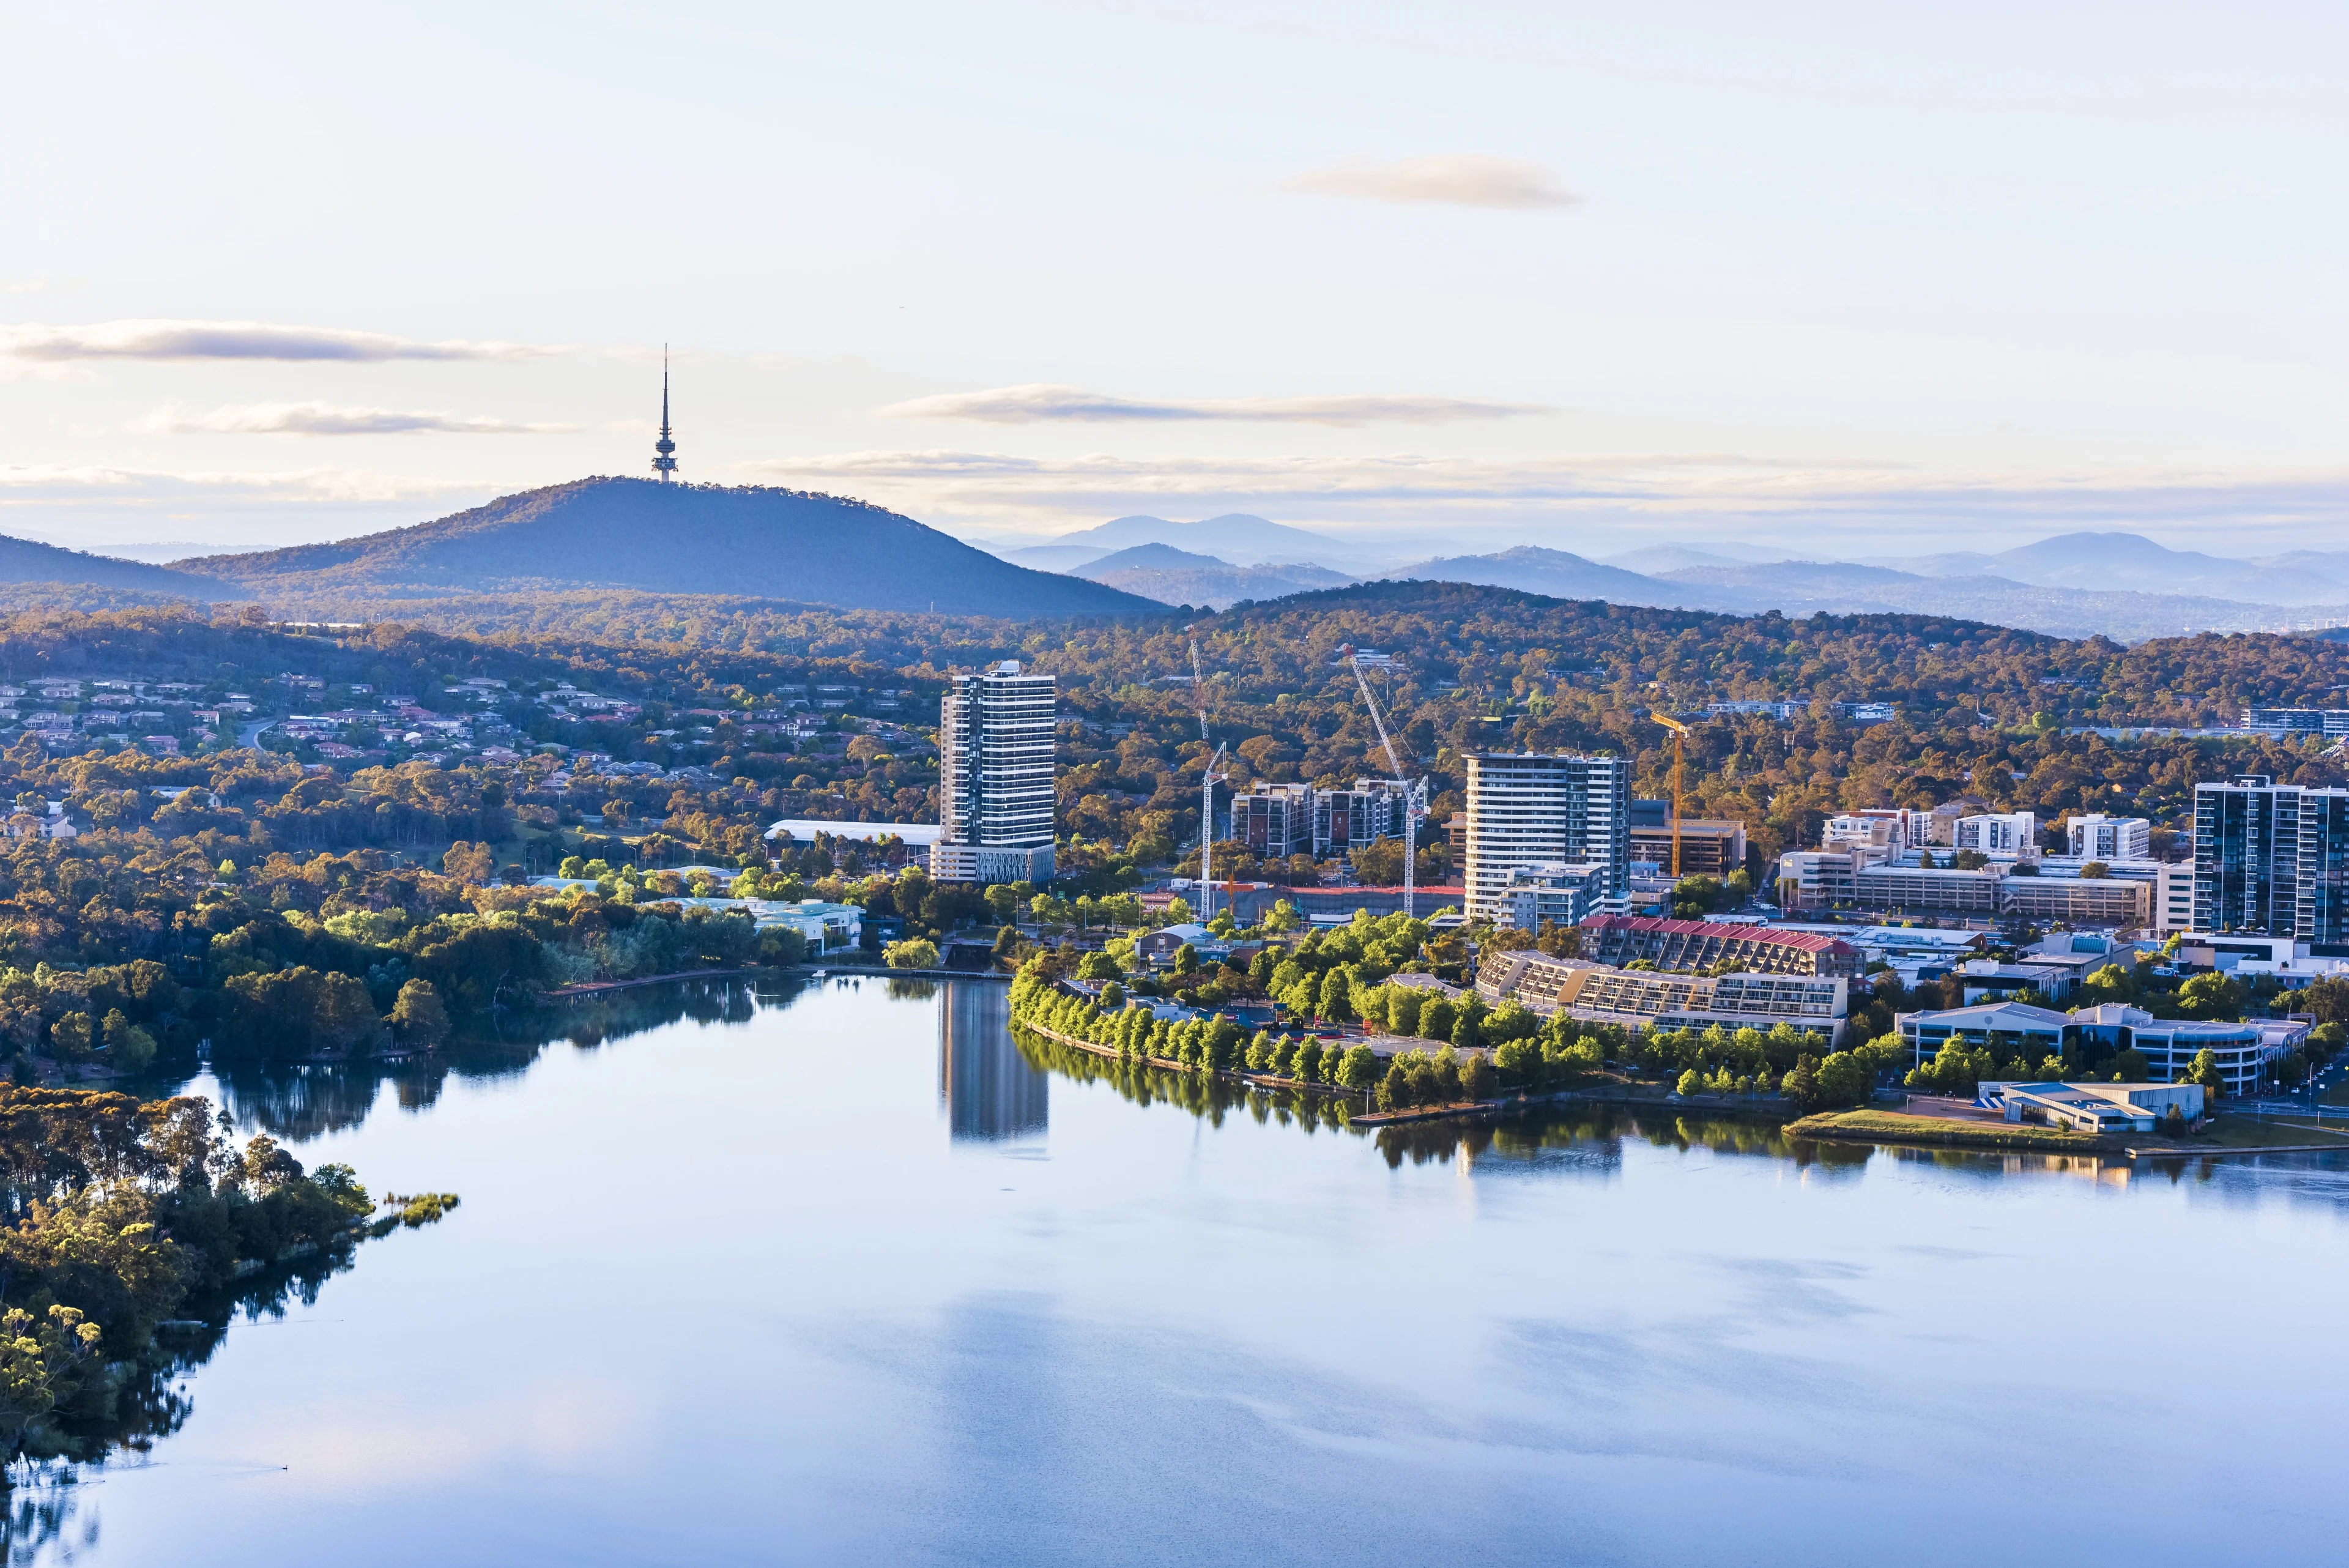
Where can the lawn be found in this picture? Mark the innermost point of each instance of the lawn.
(1893, 1127)
(2229, 1131)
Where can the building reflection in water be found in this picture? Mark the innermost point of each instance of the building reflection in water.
(988, 1090)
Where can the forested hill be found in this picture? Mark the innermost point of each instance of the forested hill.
(679, 539)
(29, 561)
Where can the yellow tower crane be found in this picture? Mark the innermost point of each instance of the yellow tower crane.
(1680, 733)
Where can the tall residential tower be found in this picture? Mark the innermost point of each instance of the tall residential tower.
(1529, 808)
(994, 777)
(2271, 859)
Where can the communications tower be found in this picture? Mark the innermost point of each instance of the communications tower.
(664, 449)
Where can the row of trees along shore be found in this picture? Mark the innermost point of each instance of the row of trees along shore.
(1525, 1052)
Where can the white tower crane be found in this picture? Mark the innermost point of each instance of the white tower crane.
(1414, 794)
(1209, 777)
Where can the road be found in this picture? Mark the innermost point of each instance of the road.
(249, 734)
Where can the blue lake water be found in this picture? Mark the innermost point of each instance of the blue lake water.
(835, 1275)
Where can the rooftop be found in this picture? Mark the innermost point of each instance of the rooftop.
(1643, 925)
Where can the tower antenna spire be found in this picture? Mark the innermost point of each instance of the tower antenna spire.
(664, 449)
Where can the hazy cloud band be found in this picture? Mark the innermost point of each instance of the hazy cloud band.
(1453, 180)
(149, 340)
(329, 420)
(1532, 499)
(1036, 403)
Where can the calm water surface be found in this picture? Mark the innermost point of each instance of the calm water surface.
(837, 1276)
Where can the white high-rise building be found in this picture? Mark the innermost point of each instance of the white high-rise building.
(1528, 808)
(2095, 836)
(994, 777)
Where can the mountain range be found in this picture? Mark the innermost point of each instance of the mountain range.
(1170, 575)
(2121, 586)
(29, 561)
(641, 535)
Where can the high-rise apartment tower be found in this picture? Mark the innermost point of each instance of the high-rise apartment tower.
(994, 777)
(1528, 808)
(2272, 859)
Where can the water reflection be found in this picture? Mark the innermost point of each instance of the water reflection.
(989, 1090)
(144, 1400)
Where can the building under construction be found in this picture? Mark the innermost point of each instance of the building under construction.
(1274, 821)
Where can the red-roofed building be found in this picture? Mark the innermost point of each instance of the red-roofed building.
(1690, 945)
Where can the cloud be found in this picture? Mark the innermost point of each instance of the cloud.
(83, 484)
(1030, 404)
(327, 419)
(237, 341)
(1599, 503)
(1455, 180)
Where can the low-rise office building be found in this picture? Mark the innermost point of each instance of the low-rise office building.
(1555, 895)
(1819, 879)
(2093, 836)
(2006, 1029)
(2094, 1108)
(2013, 1030)
(823, 925)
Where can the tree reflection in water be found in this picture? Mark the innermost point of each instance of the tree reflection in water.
(303, 1100)
(147, 1401)
(1201, 1094)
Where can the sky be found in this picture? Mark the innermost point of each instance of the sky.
(1838, 279)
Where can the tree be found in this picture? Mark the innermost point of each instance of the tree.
(1112, 998)
(1845, 1079)
(2096, 871)
(2204, 1070)
(39, 1365)
(1308, 1065)
(1692, 1081)
(2210, 996)
(418, 1019)
(2173, 1122)
(1436, 1018)
(71, 1037)
(129, 1048)
(1359, 1068)
(914, 953)
(1476, 1077)
(1802, 1085)
(1186, 959)
(2130, 1067)
(475, 863)
(1379, 863)
(1099, 966)
(2328, 999)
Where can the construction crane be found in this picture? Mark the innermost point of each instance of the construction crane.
(1680, 733)
(1209, 777)
(1415, 796)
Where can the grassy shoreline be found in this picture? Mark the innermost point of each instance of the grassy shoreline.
(1896, 1126)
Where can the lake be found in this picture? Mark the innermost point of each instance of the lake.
(833, 1274)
